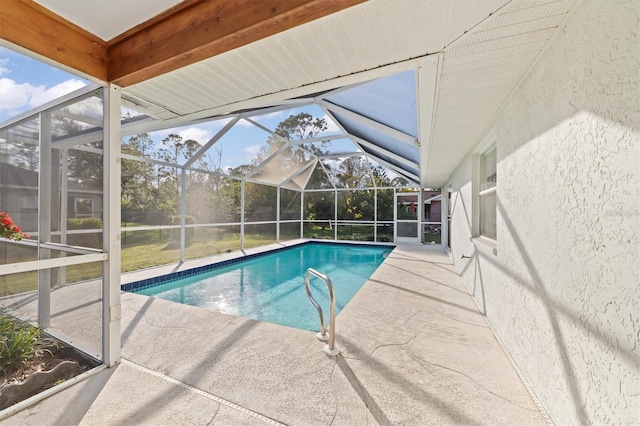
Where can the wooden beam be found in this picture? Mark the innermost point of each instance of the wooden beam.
(199, 29)
(26, 24)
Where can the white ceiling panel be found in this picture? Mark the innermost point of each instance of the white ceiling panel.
(511, 15)
(515, 5)
(281, 62)
(478, 73)
(514, 29)
(457, 12)
(478, 11)
(415, 15)
(499, 4)
(448, 82)
(435, 25)
(253, 62)
(491, 62)
(107, 19)
(500, 43)
(533, 48)
(465, 73)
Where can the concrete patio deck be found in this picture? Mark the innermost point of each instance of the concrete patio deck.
(415, 350)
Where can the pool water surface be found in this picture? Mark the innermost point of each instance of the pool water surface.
(271, 287)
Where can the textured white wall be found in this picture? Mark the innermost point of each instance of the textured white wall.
(563, 291)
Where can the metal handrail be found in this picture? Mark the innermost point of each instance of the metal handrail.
(330, 348)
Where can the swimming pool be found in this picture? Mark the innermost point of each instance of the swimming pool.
(270, 287)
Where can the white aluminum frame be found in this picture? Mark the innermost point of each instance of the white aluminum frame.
(44, 218)
(427, 86)
(110, 253)
(417, 220)
(444, 218)
(111, 308)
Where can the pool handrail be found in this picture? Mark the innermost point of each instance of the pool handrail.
(330, 348)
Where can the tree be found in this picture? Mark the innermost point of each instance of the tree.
(301, 126)
(319, 178)
(385, 196)
(295, 128)
(85, 167)
(138, 191)
(319, 205)
(260, 202)
(354, 172)
(177, 152)
(24, 155)
(174, 151)
(140, 145)
(260, 199)
(211, 195)
(356, 205)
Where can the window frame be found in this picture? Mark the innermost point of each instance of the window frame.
(487, 144)
(82, 200)
(488, 185)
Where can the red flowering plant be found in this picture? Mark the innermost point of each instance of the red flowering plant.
(9, 229)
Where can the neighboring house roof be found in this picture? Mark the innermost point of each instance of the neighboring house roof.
(21, 178)
(78, 187)
(11, 175)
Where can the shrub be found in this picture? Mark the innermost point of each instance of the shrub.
(84, 223)
(19, 343)
(385, 238)
(93, 240)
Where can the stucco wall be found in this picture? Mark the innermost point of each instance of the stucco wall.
(563, 291)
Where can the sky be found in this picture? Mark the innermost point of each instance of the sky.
(27, 83)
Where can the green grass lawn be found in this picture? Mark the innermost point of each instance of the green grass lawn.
(140, 250)
(145, 249)
(18, 283)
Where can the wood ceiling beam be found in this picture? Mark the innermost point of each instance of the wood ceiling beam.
(28, 25)
(199, 29)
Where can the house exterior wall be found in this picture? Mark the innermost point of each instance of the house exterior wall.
(562, 288)
(432, 210)
(435, 213)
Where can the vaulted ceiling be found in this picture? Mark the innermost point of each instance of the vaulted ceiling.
(197, 60)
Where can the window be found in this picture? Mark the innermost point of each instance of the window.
(488, 182)
(84, 207)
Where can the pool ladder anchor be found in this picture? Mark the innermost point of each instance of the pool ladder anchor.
(330, 348)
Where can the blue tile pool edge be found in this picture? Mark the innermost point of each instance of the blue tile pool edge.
(167, 278)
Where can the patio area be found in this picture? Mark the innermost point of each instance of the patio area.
(414, 350)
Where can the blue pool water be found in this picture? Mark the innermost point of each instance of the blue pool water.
(271, 287)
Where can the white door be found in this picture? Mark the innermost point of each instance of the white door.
(406, 216)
